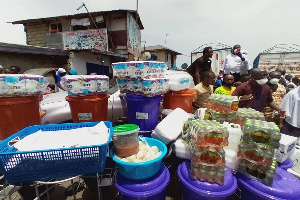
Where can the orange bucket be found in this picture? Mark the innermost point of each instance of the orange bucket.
(17, 113)
(179, 99)
(89, 108)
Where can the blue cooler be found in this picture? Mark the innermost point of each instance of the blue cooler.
(153, 188)
(195, 189)
(285, 186)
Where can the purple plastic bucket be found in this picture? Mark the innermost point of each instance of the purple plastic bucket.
(285, 186)
(288, 163)
(195, 189)
(148, 189)
(143, 111)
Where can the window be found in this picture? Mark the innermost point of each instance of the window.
(79, 27)
(166, 57)
(153, 57)
(54, 28)
(80, 24)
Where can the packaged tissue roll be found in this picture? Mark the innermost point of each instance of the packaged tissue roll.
(35, 84)
(179, 81)
(86, 84)
(22, 84)
(121, 70)
(163, 85)
(13, 84)
(139, 69)
(149, 87)
(123, 85)
(155, 69)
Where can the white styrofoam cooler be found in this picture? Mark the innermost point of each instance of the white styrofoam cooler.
(171, 126)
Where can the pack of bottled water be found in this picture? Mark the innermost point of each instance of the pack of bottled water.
(78, 85)
(22, 85)
(207, 139)
(256, 150)
(222, 103)
(238, 117)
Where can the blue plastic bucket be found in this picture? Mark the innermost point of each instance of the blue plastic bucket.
(285, 186)
(143, 111)
(153, 188)
(141, 170)
(195, 189)
(288, 163)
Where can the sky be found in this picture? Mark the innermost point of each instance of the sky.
(181, 25)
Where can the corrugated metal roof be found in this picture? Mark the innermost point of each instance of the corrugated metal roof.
(80, 15)
(213, 45)
(281, 48)
(160, 47)
(19, 48)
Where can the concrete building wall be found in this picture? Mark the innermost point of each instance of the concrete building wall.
(78, 61)
(35, 33)
(26, 61)
(116, 22)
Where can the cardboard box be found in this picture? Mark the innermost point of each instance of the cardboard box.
(286, 148)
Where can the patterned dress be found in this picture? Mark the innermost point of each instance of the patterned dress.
(273, 115)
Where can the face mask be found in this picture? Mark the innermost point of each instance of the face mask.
(274, 81)
(236, 51)
(262, 81)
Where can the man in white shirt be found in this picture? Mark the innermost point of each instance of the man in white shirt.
(236, 63)
(291, 105)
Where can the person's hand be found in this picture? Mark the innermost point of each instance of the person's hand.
(280, 125)
(241, 56)
(245, 97)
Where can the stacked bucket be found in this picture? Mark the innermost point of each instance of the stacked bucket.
(143, 82)
(19, 102)
(141, 174)
(87, 96)
(180, 94)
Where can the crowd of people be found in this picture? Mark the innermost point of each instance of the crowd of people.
(10, 70)
(276, 93)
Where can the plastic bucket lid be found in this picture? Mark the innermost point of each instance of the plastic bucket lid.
(186, 92)
(288, 163)
(126, 129)
(146, 187)
(285, 186)
(212, 190)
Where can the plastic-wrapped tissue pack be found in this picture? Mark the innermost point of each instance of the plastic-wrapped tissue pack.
(139, 69)
(146, 87)
(22, 84)
(86, 84)
(180, 81)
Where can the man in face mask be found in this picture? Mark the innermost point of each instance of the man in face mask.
(236, 63)
(256, 93)
(227, 88)
(282, 80)
(278, 92)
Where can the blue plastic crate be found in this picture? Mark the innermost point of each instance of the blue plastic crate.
(27, 166)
